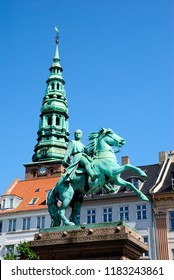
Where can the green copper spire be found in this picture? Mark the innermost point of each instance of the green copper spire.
(53, 126)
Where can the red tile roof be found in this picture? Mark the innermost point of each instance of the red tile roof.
(29, 189)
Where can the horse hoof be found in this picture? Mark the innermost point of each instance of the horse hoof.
(143, 174)
(144, 198)
(70, 224)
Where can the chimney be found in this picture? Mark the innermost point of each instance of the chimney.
(162, 157)
(171, 153)
(125, 160)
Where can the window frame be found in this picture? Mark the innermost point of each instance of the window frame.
(107, 214)
(141, 213)
(40, 222)
(171, 220)
(26, 223)
(12, 225)
(1, 226)
(124, 213)
(147, 243)
(91, 216)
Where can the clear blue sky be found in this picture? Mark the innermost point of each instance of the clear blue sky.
(118, 63)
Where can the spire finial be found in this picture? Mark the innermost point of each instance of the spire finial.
(57, 34)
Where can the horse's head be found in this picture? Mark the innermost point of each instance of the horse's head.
(105, 136)
(111, 138)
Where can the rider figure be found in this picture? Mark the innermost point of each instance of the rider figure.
(78, 151)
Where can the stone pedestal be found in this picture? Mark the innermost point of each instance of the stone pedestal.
(112, 241)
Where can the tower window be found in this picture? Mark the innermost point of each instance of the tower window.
(52, 86)
(34, 173)
(57, 86)
(57, 121)
(49, 120)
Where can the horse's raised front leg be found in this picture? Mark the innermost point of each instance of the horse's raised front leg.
(65, 197)
(129, 185)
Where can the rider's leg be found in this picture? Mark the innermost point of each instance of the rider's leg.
(86, 164)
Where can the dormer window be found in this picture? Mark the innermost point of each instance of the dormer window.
(11, 202)
(33, 201)
(135, 181)
(3, 204)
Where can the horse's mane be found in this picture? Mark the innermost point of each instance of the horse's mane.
(93, 138)
(91, 147)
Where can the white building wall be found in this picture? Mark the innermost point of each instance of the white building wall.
(15, 237)
(142, 226)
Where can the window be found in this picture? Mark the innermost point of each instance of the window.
(11, 202)
(34, 172)
(171, 220)
(33, 201)
(3, 204)
(50, 120)
(9, 249)
(57, 86)
(1, 222)
(146, 241)
(26, 223)
(91, 215)
(124, 213)
(135, 181)
(141, 212)
(172, 254)
(52, 86)
(107, 215)
(11, 225)
(41, 222)
(57, 120)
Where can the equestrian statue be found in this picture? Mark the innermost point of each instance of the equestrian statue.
(89, 169)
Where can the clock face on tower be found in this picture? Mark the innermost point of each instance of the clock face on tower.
(42, 170)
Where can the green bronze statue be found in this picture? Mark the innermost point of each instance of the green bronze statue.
(92, 168)
(80, 157)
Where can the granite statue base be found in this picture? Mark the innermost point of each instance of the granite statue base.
(113, 241)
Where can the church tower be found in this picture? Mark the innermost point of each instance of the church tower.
(53, 124)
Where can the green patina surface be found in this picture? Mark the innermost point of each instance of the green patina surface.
(86, 226)
(53, 125)
(98, 160)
